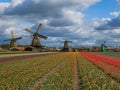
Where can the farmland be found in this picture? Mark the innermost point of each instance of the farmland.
(62, 71)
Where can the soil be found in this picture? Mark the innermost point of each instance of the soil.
(76, 76)
(12, 58)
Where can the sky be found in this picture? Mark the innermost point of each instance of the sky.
(84, 22)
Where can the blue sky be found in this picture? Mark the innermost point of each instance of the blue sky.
(81, 21)
(5, 0)
(102, 9)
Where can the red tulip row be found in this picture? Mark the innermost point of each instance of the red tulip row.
(110, 64)
(101, 58)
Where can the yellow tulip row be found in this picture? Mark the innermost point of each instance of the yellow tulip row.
(23, 73)
(63, 77)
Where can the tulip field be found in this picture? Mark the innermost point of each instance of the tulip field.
(62, 71)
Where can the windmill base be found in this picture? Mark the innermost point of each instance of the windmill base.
(67, 49)
(34, 49)
(17, 49)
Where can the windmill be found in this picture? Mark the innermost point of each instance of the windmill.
(66, 47)
(35, 42)
(103, 47)
(13, 40)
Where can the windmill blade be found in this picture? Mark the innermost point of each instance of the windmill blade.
(104, 42)
(17, 38)
(105, 46)
(41, 36)
(7, 40)
(29, 30)
(38, 29)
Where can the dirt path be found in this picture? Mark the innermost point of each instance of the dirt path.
(76, 76)
(23, 56)
(38, 82)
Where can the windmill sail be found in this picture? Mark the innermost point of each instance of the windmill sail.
(7, 40)
(38, 29)
(29, 30)
(35, 42)
(13, 40)
(17, 38)
(41, 36)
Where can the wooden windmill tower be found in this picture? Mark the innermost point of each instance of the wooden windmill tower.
(35, 42)
(66, 47)
(13, 40)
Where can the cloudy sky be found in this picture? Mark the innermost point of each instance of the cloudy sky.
(84, 22)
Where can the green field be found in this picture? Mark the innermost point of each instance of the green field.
(110, 53)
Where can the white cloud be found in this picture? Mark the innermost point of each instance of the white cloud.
(118, 2)
(100, 21)
(116, 14)
(116, 31)
(14, 3)
(110, 24)
(8, 24)
(69, 18)
(3, 6)
(75, 17)
(109, 34)
(23, 7)
(60, 20)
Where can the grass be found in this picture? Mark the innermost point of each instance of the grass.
(110, 53)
